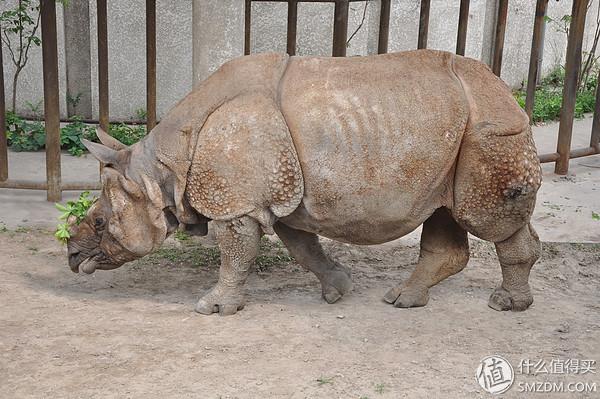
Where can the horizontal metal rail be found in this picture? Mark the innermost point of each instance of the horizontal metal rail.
(37, 185)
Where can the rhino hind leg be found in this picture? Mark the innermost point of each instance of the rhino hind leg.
(306, 249)
(517, 255)
(497, 178)
(444, 252)
(239, 241)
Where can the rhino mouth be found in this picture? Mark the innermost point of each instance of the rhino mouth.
(90, 264)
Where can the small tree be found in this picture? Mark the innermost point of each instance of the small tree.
(19, 32)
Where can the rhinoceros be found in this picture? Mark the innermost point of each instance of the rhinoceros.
(361, 150)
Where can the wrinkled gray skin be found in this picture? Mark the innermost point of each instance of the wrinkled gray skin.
(361, 150)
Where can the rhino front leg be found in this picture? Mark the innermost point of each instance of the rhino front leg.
(239, 242)
(306, 249)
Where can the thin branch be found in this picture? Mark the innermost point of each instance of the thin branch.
(6, 39)
(30, 39)
(359, 25)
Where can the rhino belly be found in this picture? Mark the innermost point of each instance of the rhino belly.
(377, 139)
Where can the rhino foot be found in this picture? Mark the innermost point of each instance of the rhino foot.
(336, 283)
(220, 300)
(407, 296)
(501, 299)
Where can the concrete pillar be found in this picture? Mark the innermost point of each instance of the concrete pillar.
(77, 56)
(489, 31)
(217, 34)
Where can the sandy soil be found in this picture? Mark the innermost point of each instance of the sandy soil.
(132, 332)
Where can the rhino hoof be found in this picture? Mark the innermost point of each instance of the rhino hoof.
(407, 296)
(336, 284)
(217, 301)
(501, 299)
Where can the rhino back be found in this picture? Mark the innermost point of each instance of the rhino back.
(377, 139)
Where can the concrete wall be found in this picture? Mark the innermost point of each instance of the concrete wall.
(187, 53)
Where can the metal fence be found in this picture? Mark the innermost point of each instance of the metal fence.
(55, 186)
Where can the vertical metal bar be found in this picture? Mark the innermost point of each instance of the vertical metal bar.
(463, 22)
(3, 142)
(340, 28)
(384, 27)
(292, 24)
(499, 37)
(150, 64)
(51, 94)
(573, 64)
(536, 50)
(102, 64)
(247, 23)
(423, 24)
(595, 139)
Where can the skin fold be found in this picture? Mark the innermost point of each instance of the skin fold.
(361, 150)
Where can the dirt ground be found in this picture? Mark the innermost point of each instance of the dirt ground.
(132, 332)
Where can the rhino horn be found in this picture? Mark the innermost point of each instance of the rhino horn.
(109, 140)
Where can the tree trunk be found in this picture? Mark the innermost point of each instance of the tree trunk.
(14, 89)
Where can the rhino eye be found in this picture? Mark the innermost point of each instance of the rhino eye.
(99, 222)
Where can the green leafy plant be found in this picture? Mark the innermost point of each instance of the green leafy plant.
(24, 135)
(548, 97)
(127, 134)
(74, 210)
(141, 114)
(72, 133)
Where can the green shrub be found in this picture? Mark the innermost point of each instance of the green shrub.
(127, 134)
(24, 135)
(548, 103)
(72, 133)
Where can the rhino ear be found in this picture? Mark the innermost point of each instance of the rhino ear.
(109, 140)
(101, 153)
(117, 159)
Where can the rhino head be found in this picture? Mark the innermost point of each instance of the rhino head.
(126, 222)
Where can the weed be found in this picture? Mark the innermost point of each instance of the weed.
(181, 235)
(325, 380)
(3, 228)
(127, 134)
(380, 388)
(73, 100)
(141, 114)
(595, 216)
(22, 229)
(72, 133)
(272, 254)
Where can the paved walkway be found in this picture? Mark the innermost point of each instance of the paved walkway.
(563, 213)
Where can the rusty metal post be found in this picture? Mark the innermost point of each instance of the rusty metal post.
(423, 24)
(499, 37)
(536, 49)
(595, 139)
(463, 22)
(247, 23)
(150, 64)
(102, 65)
(340, 28)
(384, 27)
(51, 107)
(292, 24)
(3, 142)
(573, 64)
